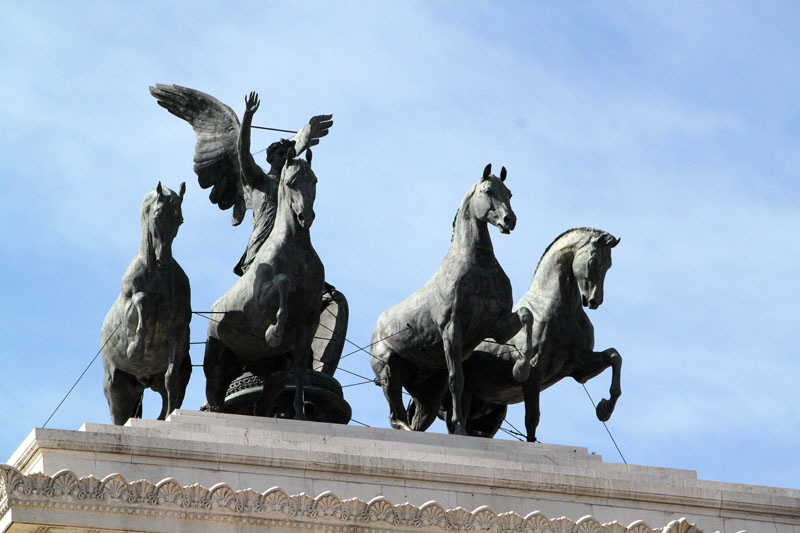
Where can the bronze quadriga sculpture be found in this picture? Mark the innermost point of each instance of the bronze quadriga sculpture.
(145, 336)
(420, 343)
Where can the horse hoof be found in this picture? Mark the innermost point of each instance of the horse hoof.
(272, 337)
(396, 424)
(521, 371)
(604, 410)
(134, 353)
(460, 431)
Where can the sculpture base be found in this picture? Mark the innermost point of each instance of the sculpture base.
(211, 472)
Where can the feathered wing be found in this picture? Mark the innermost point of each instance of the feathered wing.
(216, 160)
(310, 134)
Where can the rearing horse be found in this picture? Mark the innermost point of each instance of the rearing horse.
(145, 335)
(268, 318)
(420, 343)
(570, 276)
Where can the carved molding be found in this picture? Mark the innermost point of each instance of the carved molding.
(168, 499)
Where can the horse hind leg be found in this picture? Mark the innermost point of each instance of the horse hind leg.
(531, 390)
(488, 422)
(426, 399)
(221, 367)
(593, 366)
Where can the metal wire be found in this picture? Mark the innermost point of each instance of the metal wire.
(81, 376)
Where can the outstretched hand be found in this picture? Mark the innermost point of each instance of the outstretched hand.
(251, 103)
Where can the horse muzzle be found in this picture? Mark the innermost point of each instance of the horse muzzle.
(591, 302)
(305, 219)
(508, 224)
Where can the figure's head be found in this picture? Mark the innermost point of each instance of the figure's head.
(299, 187)
(492, 201)
(277, 152)
(162, 216)
(591, 262)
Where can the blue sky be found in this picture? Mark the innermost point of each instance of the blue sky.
(673, 125)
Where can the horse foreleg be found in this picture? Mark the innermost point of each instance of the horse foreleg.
(279, 288)
(136, 326)
(123, 393)
(522, 367)
(390, 375)
(176, 378)
(530, 391)
(453, 354)
(509, 327)
(593, 364)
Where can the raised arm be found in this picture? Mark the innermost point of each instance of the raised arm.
(310, 134)
(250, 170)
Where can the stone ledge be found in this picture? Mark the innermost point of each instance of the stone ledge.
(457, 472)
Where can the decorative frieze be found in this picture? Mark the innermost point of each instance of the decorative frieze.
(220, 503)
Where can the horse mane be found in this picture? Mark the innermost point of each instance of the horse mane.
(467, 197)
(147, 234)
(564, 234)
(299, 166)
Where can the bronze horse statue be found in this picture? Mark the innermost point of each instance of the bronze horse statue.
(420, 343)
(145, 335)
(570, 276)
(267, 320)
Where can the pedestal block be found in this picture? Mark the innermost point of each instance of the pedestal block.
(201, 471)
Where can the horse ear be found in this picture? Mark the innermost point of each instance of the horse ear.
(182, 190)
(610, 240)
(503, 174)
(309, 155)
(159, 189)
(486, 171)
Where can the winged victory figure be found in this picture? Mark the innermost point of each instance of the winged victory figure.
(222, 158)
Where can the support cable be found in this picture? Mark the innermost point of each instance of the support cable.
(81, 376)
(605, 425)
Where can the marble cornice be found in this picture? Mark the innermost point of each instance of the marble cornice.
(64, 491)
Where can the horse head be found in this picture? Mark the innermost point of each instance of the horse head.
(492, 201)
(590, 264)
(299, 187)
(161, 217)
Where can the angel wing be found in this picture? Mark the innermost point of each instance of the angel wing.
(216, 160)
